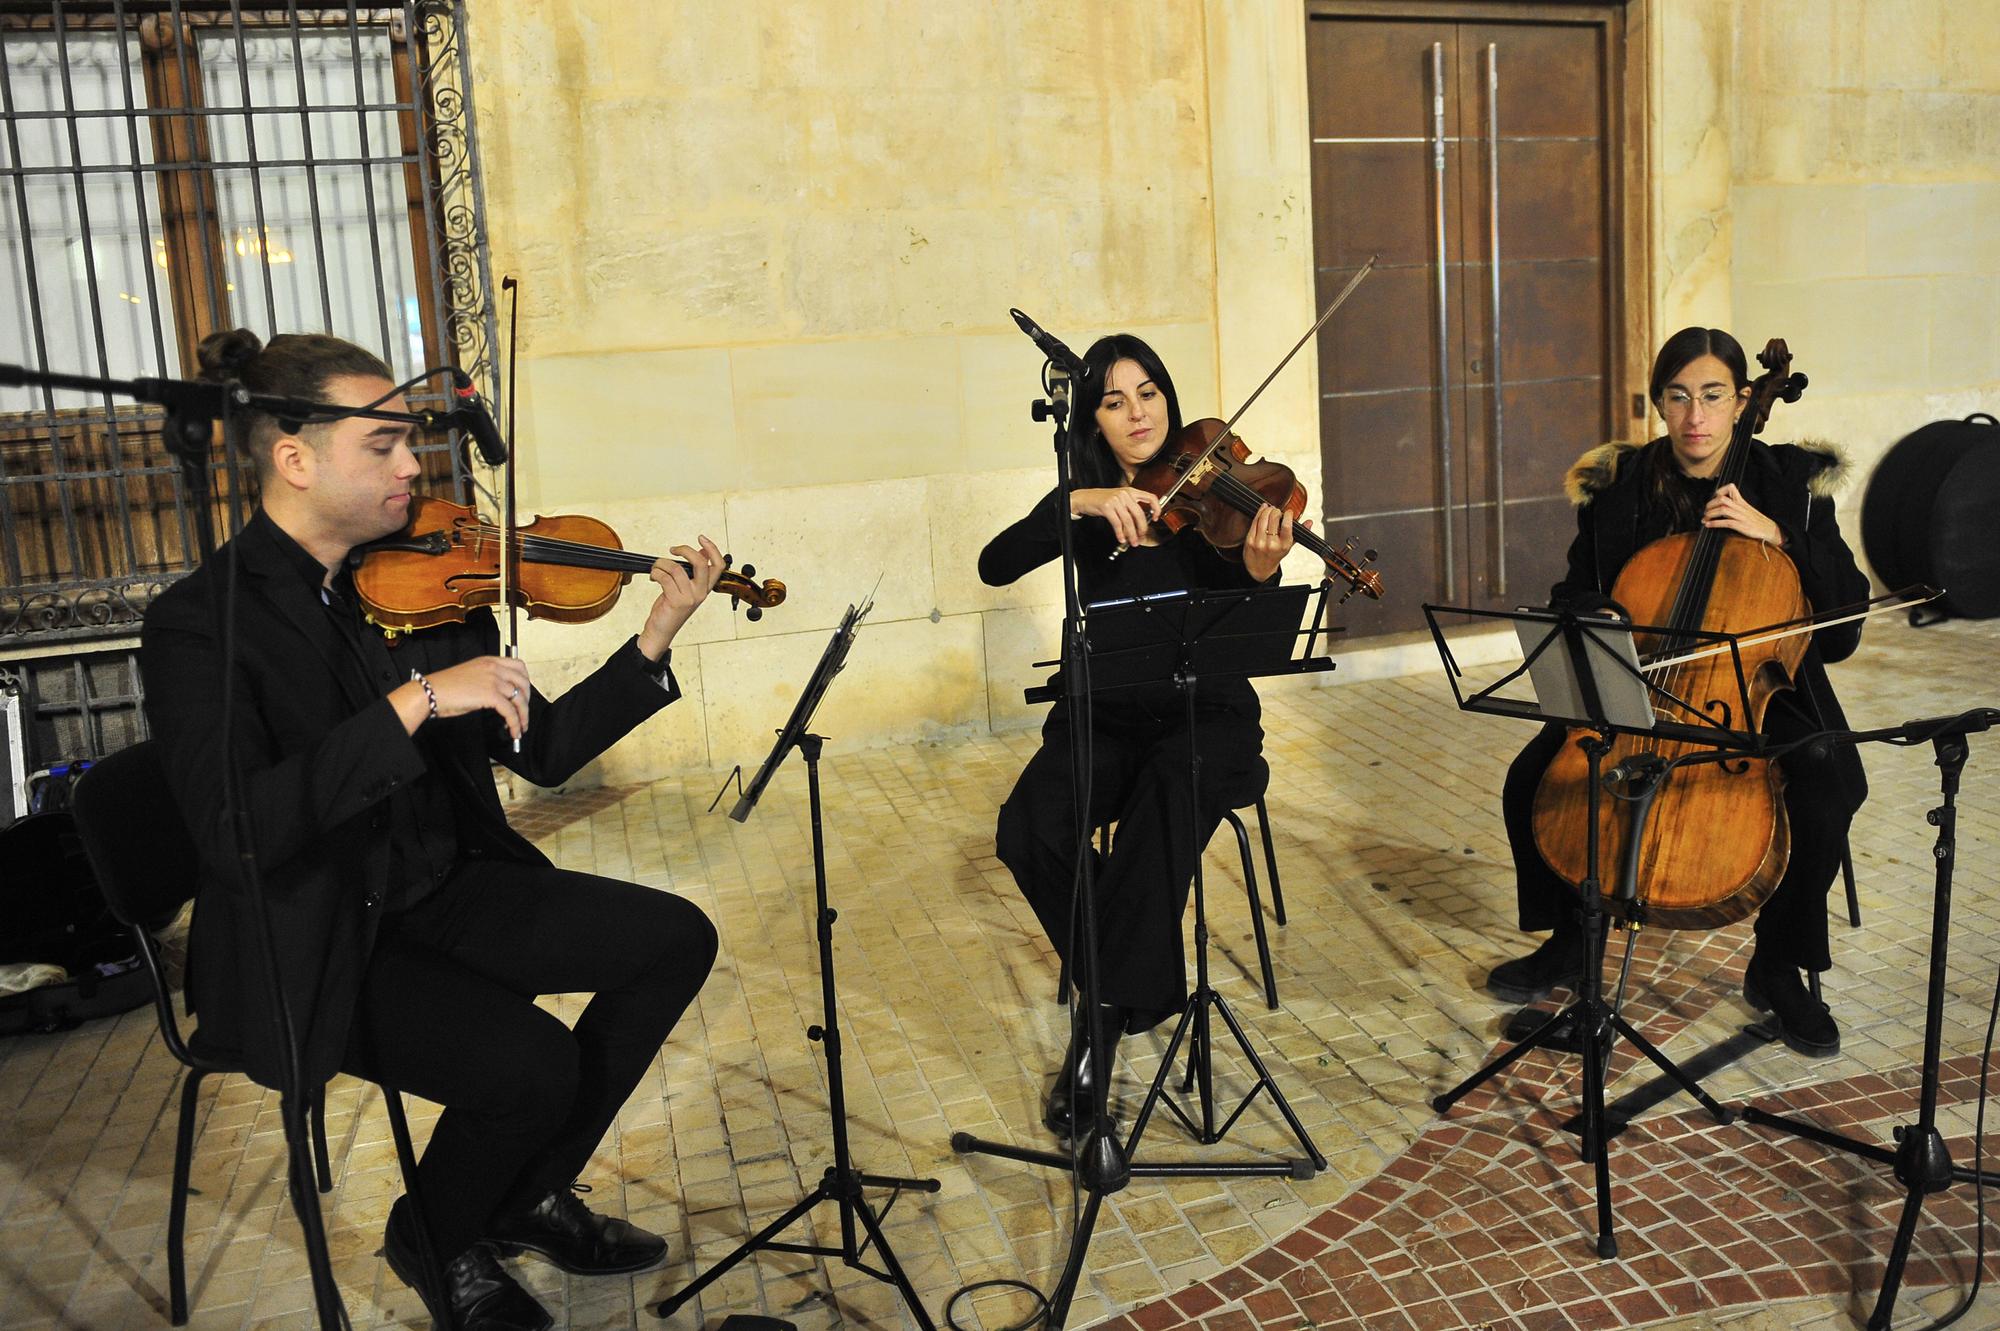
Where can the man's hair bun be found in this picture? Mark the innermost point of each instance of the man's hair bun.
(225, 355)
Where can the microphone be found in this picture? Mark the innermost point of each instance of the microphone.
(1052, 347)
(472, 414)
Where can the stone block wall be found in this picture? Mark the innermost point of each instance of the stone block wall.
(767, 252)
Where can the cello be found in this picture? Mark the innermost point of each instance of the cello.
(1716, 841)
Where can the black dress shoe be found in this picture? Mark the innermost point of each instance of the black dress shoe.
(575, 1238)
(1559, 960)
(1073, 1100)
(1804, 1022)
(477, 1296)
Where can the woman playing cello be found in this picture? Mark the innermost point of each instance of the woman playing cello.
(1127, 409)
(1628, 496)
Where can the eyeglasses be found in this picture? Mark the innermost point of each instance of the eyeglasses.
(1678, 402)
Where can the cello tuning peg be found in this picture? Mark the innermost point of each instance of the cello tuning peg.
(753, 614)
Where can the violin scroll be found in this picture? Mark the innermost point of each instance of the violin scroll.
(743, 589)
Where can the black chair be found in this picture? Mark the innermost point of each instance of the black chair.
(147, 869)
(1235, 823)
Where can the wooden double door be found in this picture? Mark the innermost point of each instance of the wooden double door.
(1479, 158)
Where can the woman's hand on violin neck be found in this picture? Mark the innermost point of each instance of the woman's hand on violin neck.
(680, 594)
(1729, 509)
(485, 683)
(1129, 511)
(1269, 540)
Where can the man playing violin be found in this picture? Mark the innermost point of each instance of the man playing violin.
(413, 928)
(1139, 743)
(1628, 496)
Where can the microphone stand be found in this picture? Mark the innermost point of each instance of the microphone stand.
(1921, 1161)
(1098, 1161)
(192, 408)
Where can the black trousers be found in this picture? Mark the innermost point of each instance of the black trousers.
(1140, 779)
(1790, 927)
(447, 1012)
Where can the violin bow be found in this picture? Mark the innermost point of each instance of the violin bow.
(1918, 594)
(1223, 436)
(509, 552)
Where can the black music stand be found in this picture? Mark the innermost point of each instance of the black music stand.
(841, 1183)
(1921, 1162)
(1179, 638)
(1600, 679)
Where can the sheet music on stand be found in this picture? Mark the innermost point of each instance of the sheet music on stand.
(1139, 640)
(1632, 695)
(831, 662)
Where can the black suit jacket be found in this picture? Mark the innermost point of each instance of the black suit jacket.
(319, 748)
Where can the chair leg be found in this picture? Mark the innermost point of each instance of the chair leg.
(1847, 873)
(1256, 907)
(321, 1165)
(1271, 860)
(177, 1297)
(406, 1156)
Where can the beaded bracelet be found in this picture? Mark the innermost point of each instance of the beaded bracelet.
(430, 695)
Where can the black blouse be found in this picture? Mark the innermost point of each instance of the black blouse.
(1182, 563)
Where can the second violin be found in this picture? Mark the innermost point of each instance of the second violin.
(1204, 479)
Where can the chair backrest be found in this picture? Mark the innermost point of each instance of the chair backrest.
(145, 862)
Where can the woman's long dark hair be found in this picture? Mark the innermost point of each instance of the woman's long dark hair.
(1676, 354)
(1096, 466)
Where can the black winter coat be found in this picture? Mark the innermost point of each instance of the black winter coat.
(1792, 484)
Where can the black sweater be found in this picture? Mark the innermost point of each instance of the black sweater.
(1183, 563)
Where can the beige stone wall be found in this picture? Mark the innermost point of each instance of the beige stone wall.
(767, 251)
(1830, 174)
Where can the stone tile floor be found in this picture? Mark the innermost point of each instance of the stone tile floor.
(1398, 890)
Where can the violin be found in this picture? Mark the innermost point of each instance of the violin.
(1205, 480)
(1716, 840)
(568, 568)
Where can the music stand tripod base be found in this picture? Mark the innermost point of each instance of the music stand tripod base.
(1595, 682)
(841, 1184)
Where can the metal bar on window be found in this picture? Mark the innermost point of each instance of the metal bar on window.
(15, 575)
(169, 113)
(368, 179)
(114, 479)
(303, 163)
(59, 454)
(262, 244)
(208, 227)
(139, 209)
(312, 176)
(207, 219)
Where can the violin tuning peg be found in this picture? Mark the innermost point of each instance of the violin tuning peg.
(1367, 556)
(753, 614)
(727, 559)
(749, 570)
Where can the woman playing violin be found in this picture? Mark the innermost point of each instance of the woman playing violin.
(1628, 496)
(1139, 745)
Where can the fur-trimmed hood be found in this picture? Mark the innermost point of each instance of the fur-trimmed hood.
(1590, 475)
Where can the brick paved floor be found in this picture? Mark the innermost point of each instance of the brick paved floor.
(1399, 894)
